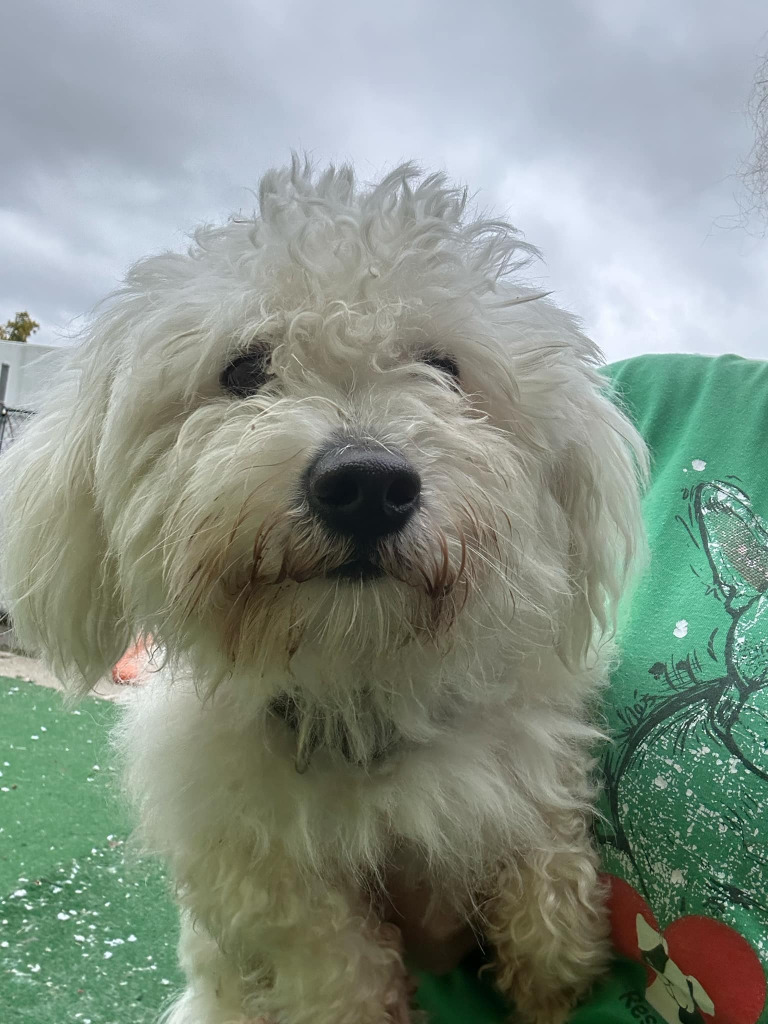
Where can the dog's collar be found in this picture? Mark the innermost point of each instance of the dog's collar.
(312, 730)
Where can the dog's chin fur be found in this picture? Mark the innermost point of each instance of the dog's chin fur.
(325, 714)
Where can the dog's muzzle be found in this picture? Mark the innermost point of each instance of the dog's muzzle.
(362, 492)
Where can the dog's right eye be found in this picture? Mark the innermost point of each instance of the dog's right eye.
(246, 374)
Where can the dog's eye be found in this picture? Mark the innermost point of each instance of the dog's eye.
(246, 374)
(446, 364)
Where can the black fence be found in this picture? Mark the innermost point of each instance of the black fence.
(11, 423)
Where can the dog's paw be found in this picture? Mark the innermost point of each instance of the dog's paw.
(402, 988)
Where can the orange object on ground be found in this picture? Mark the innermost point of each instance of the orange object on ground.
(132, 667)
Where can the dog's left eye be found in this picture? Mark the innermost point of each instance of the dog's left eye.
(246, 374)
(446, 364)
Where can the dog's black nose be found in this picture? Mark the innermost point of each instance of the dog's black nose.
(362, 492)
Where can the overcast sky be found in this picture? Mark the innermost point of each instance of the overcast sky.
(610, 131)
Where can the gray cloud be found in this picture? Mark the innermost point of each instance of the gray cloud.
(610, 133)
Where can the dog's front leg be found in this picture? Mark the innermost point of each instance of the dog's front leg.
(548, 923)
(279, 946)
(215, 991)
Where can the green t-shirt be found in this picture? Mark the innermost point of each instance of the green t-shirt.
(685, 836)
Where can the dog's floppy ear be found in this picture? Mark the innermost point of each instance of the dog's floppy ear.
(597, 479)
(58, 581)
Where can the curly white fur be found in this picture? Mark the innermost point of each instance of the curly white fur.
(145, 499)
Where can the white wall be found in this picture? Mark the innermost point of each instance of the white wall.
(32, 369)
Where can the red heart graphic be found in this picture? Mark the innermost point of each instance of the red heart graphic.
(720, 959)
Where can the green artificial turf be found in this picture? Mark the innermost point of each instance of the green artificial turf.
(87, 935)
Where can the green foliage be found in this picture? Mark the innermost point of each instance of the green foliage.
(20, 328)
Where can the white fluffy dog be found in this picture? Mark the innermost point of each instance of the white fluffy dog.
(375, 507)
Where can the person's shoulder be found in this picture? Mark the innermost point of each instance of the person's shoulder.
(673, 368)
(677, 401)
(686, 379)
